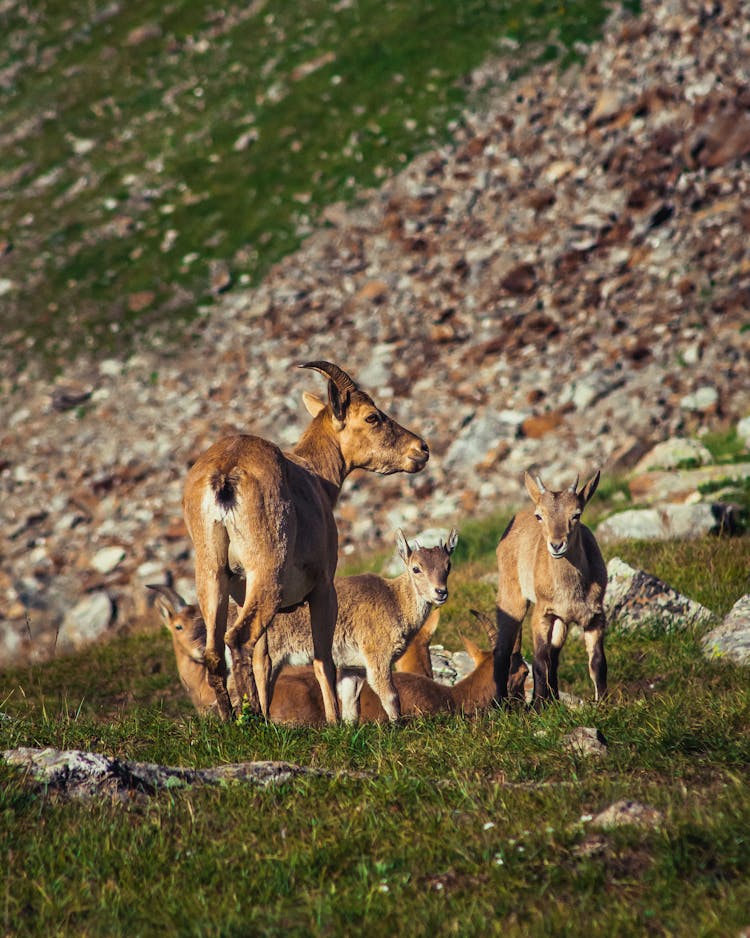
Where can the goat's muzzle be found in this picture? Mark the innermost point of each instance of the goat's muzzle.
(557, 549)
(440, 596)
(418, 456)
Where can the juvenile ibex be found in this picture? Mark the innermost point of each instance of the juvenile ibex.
(296, 695)
(187, 629)
(377, 618)
(548, 558)
(422, 696)
(262, 526)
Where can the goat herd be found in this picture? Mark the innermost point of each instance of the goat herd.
(264, 535)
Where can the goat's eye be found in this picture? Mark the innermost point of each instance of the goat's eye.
(538, 516)
(372, 419)
(416, 569)
(178, 628)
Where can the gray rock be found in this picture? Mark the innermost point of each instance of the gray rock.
(702, 399)
(85, 775)
(628, 813)
(684, 485)
(731, 639)
(87, 621)
(675, 452)
(585, 741)
(480, 435)
(450, 667)
(666, 522)
(108, 559)
(634, 599)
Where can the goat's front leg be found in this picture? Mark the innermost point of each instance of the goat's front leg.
(593, 636)
(213, 599)
(324, 610)
(546, 656)
(507, 652)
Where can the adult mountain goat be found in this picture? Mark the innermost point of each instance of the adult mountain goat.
(262, 526)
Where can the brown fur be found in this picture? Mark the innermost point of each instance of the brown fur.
(297, 697)
(548, 558)
(377, 617)
(263, 530)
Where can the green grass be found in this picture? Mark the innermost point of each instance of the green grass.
(458, 826)
(122, 168)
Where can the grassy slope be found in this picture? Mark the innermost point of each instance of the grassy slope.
(122, 173)
(463, 826)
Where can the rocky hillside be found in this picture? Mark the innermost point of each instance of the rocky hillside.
(565, 285)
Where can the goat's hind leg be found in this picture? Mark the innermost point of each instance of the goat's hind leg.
(546, 656)
(324, 609)
(213, 599)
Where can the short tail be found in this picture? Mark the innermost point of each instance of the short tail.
(224, 487)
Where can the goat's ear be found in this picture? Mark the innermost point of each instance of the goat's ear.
(339, 402)
(164, 608)
(590, 487)
(167, 600)
(475, 652)
(404, 551)
(313, 404)
(452, 541)
(532, 488)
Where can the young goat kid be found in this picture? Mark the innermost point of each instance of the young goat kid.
(422, 696)
(548, 558)
(262, 526)
(296, 695)
(377, 618)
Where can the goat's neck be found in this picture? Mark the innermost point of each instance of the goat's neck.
(414, 609)
(478, 687)
(569, 567)
(320, 451)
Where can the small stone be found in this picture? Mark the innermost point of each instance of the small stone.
(143, 34)
(673, 453)
(628, 812)
(87, 621)
(374, 290)
(703, 400)
(139, 301)
(607, 105)
(585, 741)
(108, 559)
(731, 639)
(667, 522)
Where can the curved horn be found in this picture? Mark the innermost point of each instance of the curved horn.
(486, 623)
(339, 377)
(171, 595)
(540, 484)
(574, 486)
